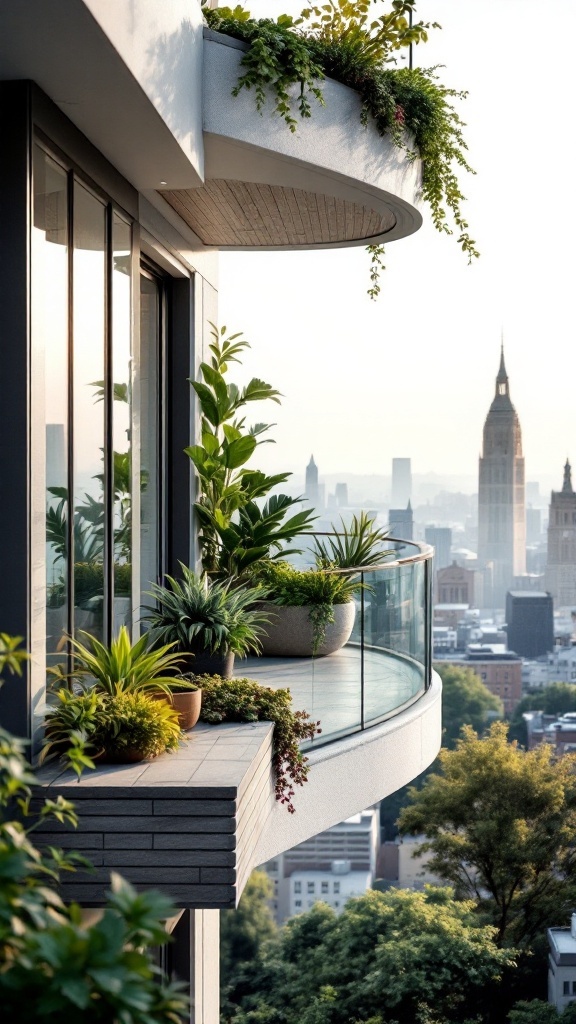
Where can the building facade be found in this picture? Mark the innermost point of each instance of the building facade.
(456, 585)
(125, 165)
(561, 556)
(530, 622)
(440, 537)
(501, 501)
(562, 966)
(500, 672)
(401, 483)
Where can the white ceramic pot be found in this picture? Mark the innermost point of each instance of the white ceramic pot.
(289, 633)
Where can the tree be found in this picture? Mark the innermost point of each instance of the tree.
(243, 933)
(501, 825)
(465, 701)
(399, 957)
(538, 1012)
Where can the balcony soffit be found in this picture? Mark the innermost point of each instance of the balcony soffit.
(241, 214)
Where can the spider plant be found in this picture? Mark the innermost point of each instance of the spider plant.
(354, 547)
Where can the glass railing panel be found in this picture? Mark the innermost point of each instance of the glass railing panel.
(394, 645)
(382, 668)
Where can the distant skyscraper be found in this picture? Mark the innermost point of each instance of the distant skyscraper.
(342, 495)
(561, 563)
(401, 483)
(311, 489)
(501, 504)
(401, 522)
(440, 537)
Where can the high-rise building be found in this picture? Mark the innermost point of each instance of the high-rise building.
(501, 504)
(530, 622)
(440, 537)
(561, 561)
(401, 483)
(311, 488)
(401, 522)
(342, 495)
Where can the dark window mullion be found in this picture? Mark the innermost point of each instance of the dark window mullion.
(71, 483)
(108, 437)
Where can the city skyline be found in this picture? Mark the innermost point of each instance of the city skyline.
(420, 360)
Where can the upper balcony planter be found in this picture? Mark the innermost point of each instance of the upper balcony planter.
(331, 183)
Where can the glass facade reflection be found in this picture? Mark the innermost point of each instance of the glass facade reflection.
(81, 412)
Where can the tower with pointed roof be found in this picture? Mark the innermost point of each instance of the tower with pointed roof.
(561, 560)
(501, 502)
(311, 489)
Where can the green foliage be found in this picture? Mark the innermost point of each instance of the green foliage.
(54, 966)
(352, 547)
(501, 825)
(395, 956)
(121, 667)
(465, 701)
(318, 588)
(96, 724)
(244, 932)
(12, 657)
(536, 1011)
(195, 614)
(343, 41)
(234, 532)
(243, 700)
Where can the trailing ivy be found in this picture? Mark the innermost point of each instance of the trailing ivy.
(409, 105)
(244, 700)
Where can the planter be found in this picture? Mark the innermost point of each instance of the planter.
(129, 756)
(289, 634)
(187, 703)
(204, 663)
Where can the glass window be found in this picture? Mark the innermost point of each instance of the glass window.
(148, 426)
(324, 887)
(89, 310)
(122, 421)
(336, 887)
(297, 903)
(297, 886)
(566, 988)
(310, 887)
(49, 423)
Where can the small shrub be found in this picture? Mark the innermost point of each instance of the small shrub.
(244, 700)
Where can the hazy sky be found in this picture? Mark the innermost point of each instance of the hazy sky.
(413, 373)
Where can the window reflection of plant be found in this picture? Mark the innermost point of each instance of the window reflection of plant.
(89, 529)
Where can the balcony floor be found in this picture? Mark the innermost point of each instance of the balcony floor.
(329, 688)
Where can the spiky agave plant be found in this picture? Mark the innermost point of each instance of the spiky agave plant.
(354, 547)
(196, 614)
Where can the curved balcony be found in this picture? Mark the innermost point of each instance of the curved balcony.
(385, 666)
(331, 183)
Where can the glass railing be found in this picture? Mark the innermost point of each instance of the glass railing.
(383, 667)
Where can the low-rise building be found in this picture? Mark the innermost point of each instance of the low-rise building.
(500, 671)
(333, 887)
(562, 965)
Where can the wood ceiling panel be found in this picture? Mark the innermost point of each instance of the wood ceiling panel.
(239, 214)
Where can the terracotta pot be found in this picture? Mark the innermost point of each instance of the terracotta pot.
(131, 755)
(187, 703)
(289, 633)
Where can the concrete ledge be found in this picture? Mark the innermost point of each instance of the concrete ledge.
(353, 773)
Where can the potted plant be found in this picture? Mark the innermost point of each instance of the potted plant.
(119, 727)
(206, 622)
(313, 611)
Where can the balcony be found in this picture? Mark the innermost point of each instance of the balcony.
(332, 183)
(196, 822)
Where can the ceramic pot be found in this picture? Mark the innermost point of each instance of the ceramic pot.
(289, 633)
(204, 663)
(187, 703)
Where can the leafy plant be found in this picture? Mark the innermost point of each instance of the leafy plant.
(233, 532)
(344, 41)
(54, 965)
(94, 724)
(120, 667)
(353, 547)
(243, 700)
(194, 614)
(318, 588)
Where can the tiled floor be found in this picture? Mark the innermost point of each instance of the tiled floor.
(330, 688)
